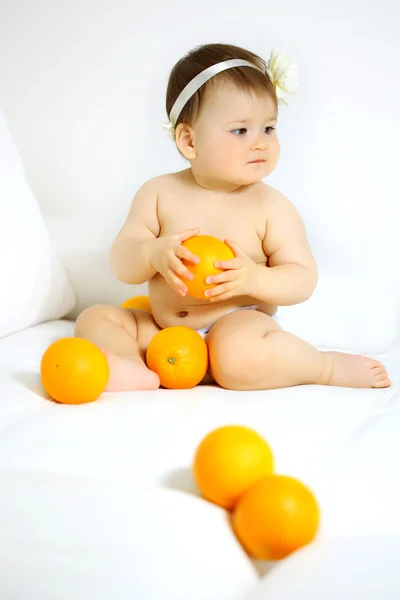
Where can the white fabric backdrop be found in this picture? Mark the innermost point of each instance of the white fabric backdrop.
(83, 88)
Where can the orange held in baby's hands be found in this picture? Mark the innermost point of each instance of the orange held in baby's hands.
(74, 371)
(209, 249)
(179, 356)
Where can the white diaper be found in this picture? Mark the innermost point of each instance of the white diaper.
(204, 330)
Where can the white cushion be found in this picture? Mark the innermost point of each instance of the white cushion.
(163, 427)
(34, 284)
(71, 538)
(350, 568)
(111, 496)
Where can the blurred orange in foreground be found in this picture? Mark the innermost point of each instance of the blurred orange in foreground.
(228, 461)
(275, 517)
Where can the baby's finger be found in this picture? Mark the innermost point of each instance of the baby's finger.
(188, 233)
(233, 263)
(174, 282)
(184, 253)
(225, 296)
(219, 290)
(178, 267)
(222, 277)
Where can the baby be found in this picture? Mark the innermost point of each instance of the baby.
(222, 106)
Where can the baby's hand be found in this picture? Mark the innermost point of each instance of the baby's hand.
(166, 257)
(237, 279)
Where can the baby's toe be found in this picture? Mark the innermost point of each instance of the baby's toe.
(381, 376)
(372, 363)
(382, 381)
(379, 370)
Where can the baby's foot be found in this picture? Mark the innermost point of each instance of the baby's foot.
(351, 370)
(129, 374)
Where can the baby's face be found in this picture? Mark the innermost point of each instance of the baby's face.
(226, 147)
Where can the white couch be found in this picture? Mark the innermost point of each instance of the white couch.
(97, 501)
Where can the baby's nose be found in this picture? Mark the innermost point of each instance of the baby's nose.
(259, 145)
(260, 142)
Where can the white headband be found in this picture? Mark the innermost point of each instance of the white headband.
(280, 70)
(200, 79)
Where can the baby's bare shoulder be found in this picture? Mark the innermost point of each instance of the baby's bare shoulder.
(273, 198)
(279, 209)
(286, 239)
(168, 182)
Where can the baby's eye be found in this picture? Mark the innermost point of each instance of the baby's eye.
(241, 129)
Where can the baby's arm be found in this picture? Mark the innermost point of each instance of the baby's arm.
(292, 274)
(139, 252)
(129, 256)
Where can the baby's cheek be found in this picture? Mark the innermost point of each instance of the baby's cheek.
(275, 150)
(222, 149)
(229, 160)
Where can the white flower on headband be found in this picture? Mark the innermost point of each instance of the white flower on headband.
(282, 71)
(169, 129)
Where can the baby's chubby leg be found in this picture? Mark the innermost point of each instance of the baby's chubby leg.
(250, 351)
(122, 335)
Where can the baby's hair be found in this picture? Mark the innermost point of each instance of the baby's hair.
(201, 57)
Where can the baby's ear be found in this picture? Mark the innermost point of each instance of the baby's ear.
(184, 138)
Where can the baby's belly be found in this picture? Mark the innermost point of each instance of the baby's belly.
(169, 309)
